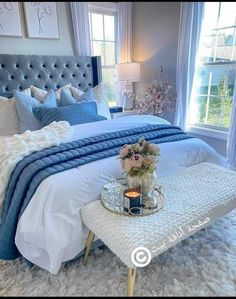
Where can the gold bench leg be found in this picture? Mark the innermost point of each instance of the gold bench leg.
(131, 281)
(88, 246)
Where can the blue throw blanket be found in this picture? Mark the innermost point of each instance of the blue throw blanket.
(33, 169)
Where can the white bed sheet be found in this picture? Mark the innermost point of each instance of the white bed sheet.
(50, 230)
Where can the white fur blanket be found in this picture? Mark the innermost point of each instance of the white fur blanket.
(16, 147)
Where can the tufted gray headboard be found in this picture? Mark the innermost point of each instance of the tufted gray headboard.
(47, 72)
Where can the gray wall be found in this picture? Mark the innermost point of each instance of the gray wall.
(155, 40)
(61, 46)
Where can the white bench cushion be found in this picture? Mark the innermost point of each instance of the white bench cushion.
(195, 197)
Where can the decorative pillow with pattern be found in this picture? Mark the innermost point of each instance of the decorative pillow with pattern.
(9, 122)
(101, 96)
(76, 93)
(39, 93)
(67, 99)
(100, 92)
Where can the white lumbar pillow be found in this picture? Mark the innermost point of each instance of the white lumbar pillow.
(9, 122)
(39, 93)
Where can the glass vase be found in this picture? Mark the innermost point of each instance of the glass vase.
(146, 184)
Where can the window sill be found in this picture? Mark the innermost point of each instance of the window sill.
(208, 132)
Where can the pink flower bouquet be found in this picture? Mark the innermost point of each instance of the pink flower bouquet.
(139, 158)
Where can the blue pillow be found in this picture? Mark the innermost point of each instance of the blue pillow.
(79, 113)
(25, 105)
(67, 99)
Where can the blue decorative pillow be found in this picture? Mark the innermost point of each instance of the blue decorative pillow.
(79, 113)
(25, 105)
(67, 99)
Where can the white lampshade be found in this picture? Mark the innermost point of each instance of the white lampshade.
(129, 72)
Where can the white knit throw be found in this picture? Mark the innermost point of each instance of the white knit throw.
(14, 148)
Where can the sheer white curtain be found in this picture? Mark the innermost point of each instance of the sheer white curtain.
(80, 22)
(124, 39)
(191, 16)
(124, 36)
(231, 142)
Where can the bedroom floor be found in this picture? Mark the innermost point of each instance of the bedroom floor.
(202, 265)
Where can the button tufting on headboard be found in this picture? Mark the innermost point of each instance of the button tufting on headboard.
(46, 72)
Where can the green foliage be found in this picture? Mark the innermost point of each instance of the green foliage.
(219, 105)
(141, 171)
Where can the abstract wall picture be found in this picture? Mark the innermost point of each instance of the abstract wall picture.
(41, 19)
(10, 24)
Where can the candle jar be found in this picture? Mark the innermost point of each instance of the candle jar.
(132, 201)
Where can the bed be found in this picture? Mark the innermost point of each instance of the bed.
(50, 230)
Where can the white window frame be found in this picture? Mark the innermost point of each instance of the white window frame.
(206, 129)
(105, 8)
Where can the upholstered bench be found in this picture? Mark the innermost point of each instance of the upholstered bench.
(194, 197)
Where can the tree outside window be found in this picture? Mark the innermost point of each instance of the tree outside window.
(211, 102)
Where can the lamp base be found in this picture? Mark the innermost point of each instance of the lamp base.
(128, 102)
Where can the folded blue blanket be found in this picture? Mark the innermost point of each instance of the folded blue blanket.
(33, 169)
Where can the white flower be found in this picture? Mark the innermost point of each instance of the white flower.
(154, 149)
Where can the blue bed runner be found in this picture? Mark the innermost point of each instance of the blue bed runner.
(33, 169)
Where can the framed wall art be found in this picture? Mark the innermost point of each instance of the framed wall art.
(10, 23)
(41, 20)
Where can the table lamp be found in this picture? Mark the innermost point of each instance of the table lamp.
(127, 72)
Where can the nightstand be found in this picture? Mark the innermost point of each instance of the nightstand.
(124, 113)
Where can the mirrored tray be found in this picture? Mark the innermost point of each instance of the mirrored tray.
(152, 203)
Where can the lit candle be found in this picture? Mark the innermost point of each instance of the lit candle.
(132, 201)
(132, 194)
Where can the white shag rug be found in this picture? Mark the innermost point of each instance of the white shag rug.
(202, 265)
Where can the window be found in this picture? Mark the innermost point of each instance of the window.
(103, 40)
(211, 99)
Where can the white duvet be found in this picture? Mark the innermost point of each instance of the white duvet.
(50, 230)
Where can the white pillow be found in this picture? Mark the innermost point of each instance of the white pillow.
(100, 95)
(8, 117)
(76, 93)
(9, 123)
(39, 93)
